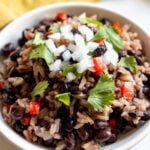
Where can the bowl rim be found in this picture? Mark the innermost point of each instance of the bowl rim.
(23, 143)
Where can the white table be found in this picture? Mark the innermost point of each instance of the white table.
(136, 10)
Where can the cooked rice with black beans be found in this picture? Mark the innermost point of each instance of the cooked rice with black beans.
(75, 82)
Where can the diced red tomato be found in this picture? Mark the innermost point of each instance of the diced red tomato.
(34, 108)
(26, 120)
(127, 90)
(1, 85)
(61, 16)
(100, 41)
(118, 27)
(112, 123)
(99, 65)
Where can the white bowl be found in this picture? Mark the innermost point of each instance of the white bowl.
(14, 30)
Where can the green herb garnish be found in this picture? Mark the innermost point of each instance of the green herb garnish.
(64, 98)
(102, 94)
(42, 51)
(89, 20)
(55, 29)
(38, 40)
(129, 63)
(39, 88)
(110, 34)
(72, 68)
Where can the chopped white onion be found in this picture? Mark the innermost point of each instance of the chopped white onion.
(65, 64)
(55, 36)
(65, 28)
(66, 55)
(57, 65)
(59, 50)
(84, 65)
(70, 76)
(92, 46)
(79, 40)
(73, 47)
(82, 17)
(86, 31)
(110, 55)
(80, 54)
(68, 35)
(51, 45)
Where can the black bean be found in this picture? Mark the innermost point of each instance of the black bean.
(123, 53)
(19, 127)
(64, 87)
(100, 124)
(85, 90)
(75, 30)
(132, 114)
(82, 134)
(68, 124)
(7, 49)
(116, 112)
(17, 112)
(102, 136)
(112, 139)
(105, 21)
(121, 124)
(70, 141)
(14, 55)
(75, 89)
(146, 91)
(100, 50)
(8, 96)
(43, 123)
(14, 73)
(48, 142)
(131, 52)
(146, 116)
(29, 78)
(139, 60)
(22, 40)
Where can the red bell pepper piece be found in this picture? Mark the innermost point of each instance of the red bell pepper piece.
(118, 27)
(61, 16)
(127, 90)
(26, 120)
(99, 65)
(34, 108)
(112, 123)
(100, 41)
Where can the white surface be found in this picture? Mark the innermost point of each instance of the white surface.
(136, 10)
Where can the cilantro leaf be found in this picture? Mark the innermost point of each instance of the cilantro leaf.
(72, 68)
(38, 40)
(129, 63)
(89, 20)
(55, 29)
(64, 98)
(102, 94)
(39, 88)
(110, 34)
(42, 52)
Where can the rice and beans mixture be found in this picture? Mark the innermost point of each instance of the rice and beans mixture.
(75, 82)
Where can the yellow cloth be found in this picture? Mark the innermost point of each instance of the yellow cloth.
(10, 9)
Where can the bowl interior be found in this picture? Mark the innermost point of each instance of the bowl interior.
(14, 30)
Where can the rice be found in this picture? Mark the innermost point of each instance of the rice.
(63, 87)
